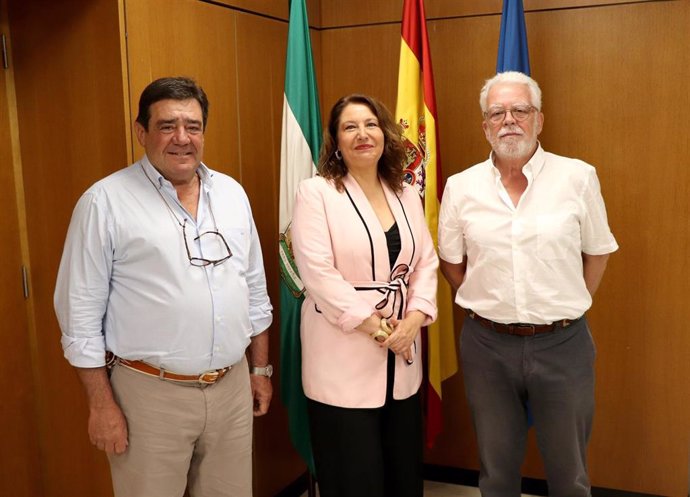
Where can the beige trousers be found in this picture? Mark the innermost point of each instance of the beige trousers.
(182, 435)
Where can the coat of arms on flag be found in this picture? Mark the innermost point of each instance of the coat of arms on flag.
(416, 158)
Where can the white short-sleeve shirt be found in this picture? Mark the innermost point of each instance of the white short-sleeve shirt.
(524, 262)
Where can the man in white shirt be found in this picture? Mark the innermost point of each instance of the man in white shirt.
(162, 272)
(524, 241)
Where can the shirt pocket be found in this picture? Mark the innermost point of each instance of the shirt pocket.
(557, 236)
(239, 242)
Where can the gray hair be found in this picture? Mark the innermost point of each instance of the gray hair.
(512, 77)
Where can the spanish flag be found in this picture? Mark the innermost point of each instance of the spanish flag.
(416, 113)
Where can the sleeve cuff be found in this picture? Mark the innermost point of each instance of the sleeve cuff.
(84, 352)
(452, 259)
(261, 324)
(423, 306)
(601, 249)
(353, 317)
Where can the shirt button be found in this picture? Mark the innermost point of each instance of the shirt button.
(218, 319)
(216, 348)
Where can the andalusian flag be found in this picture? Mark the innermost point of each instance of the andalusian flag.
(416, 112)
(300, 145)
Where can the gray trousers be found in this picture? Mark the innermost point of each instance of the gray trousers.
(555, 373)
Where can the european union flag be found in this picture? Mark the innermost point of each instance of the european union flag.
(513, 54)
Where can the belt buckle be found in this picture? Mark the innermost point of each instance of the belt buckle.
(526, 326)
(209, 377)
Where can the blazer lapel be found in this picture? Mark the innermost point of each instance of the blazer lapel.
(378, 237)
(407, 242)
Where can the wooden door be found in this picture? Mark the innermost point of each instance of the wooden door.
(19, 461)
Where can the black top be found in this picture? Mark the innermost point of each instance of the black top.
(393, 242)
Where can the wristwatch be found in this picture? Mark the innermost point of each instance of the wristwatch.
(263, 371)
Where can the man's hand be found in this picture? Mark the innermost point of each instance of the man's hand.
(262, 392)
(107, 423)
(108, 429)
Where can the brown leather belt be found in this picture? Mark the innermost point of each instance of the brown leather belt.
(205, 378)
(520, 329)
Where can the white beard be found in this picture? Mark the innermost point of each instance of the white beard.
(513, 147)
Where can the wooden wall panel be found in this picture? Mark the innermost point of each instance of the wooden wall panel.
(204, 50)
(360, 60)
(614, 77)
(274, 9)
(19, 449)
(607, 62)
(339, 13)
(69, 100)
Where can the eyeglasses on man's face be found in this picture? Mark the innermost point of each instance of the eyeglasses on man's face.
(200, 261)
(497, 115)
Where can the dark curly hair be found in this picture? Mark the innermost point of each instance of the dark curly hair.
(390, 166)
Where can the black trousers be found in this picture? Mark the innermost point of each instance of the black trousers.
(368, 452)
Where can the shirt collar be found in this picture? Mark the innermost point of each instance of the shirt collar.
(536, 163)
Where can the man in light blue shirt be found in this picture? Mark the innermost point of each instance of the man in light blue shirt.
(162, 272)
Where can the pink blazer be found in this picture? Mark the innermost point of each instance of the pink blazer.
(341, 252)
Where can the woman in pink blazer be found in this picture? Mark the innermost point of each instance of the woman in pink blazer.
(368, 263)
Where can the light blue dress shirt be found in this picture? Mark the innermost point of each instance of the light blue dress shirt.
(126, 285)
